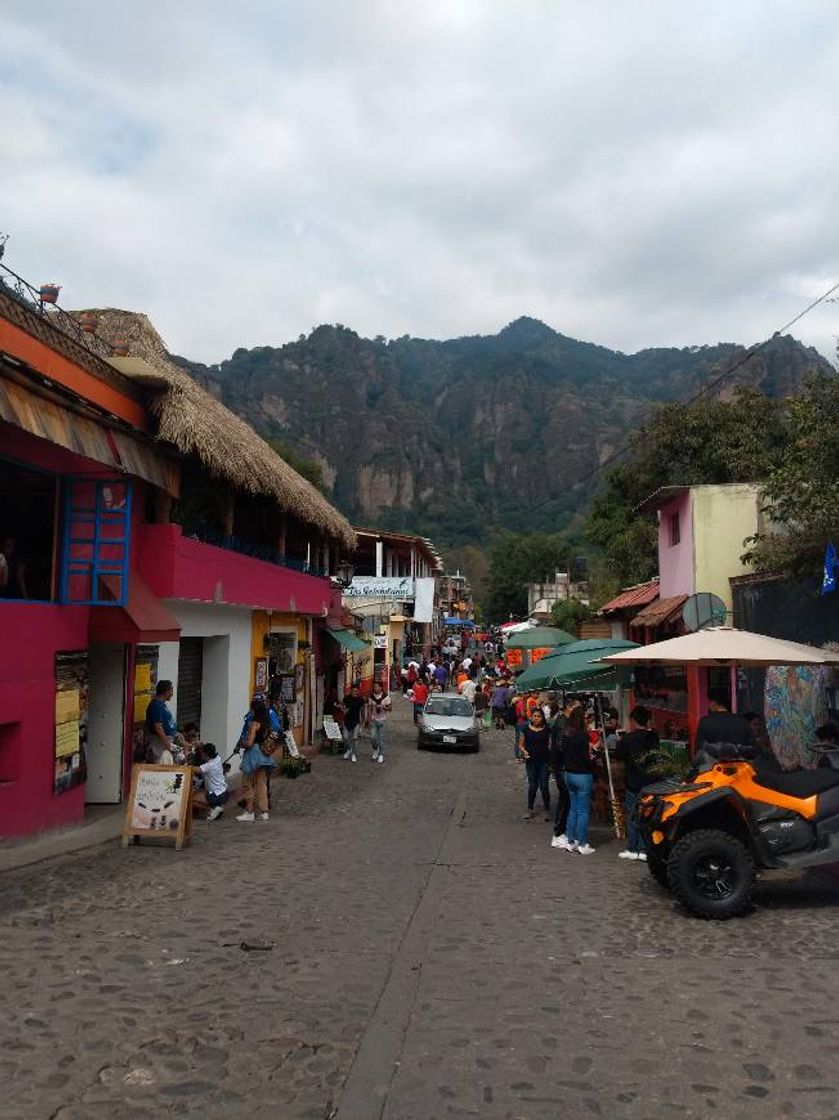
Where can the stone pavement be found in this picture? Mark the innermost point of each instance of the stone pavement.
(432, 958)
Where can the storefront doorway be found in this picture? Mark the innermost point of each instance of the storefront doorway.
(106, 724)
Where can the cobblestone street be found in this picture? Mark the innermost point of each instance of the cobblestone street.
(432, 958)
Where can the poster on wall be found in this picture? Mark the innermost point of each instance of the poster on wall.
(287, 690)
(71, 699)
(260, 674)
(299, 672)
(145, 683)
(282, 649)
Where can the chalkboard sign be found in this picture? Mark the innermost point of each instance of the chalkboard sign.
(160, 804)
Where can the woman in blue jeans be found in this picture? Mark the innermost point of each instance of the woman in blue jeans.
(579, 780)
(535, 747)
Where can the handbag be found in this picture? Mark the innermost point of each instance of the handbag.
(271, 743)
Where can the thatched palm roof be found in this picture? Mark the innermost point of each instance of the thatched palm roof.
(197, 424)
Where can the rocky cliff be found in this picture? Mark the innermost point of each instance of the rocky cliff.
(452, 438)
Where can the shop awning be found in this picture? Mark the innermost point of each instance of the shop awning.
(349, 641)
(116, 449)
(144, 618)
(638, 596)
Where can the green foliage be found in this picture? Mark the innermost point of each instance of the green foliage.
(667, 760)
(310, 469)
(569, 613)
(802, 487)
(711, 441)
(516, 559)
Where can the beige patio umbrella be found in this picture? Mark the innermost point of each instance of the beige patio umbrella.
(718, 646)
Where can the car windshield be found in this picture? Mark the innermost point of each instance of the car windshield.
(449, 707)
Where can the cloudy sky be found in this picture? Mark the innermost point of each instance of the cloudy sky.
(633, 172)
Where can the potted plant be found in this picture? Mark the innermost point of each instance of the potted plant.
(49, 293)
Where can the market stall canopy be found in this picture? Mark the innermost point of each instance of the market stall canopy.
(347, 640)
(575, 664)
(723, 645)
(458, 622)
(540, 637)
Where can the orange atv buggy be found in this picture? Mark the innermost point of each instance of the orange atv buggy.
(707, 836)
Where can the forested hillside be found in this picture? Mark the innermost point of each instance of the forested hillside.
(455, 439)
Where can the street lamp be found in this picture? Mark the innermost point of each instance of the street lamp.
(344, 573)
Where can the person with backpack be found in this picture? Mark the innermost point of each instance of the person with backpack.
(257, 764)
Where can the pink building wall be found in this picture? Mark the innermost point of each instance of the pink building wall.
(32, 635)
(675, 562)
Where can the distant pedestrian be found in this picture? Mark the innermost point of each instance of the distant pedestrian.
(256, 765)
(354, 706)
(481, 703)
(420, 697)
(441, 676)
(379, 708)
(578, 772)
(535, 746)
(498, 702)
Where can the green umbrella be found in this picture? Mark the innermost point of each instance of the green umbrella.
(575, 664)
(540, 637)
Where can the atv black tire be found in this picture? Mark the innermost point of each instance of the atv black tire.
(711, 873)
(657, 867)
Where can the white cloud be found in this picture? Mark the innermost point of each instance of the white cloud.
(634, 174)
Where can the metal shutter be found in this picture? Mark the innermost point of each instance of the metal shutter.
(190, 674)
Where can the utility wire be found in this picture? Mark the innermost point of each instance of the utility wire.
(706, 388)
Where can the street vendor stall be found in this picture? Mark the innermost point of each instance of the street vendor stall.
(722, 650)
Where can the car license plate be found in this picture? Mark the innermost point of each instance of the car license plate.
(450, 738)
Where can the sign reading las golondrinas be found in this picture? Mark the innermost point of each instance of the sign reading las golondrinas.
(398, 588)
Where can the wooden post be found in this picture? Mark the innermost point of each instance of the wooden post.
(281, 538)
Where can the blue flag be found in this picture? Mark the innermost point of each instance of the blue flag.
(830, 562)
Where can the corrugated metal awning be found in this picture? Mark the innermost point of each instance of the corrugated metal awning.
(119, 450)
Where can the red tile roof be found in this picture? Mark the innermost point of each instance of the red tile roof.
(637, 596)
(658, 613)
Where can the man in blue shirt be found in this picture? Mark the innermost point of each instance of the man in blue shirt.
(161, 726)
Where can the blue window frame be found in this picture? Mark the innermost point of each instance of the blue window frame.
(96, 542)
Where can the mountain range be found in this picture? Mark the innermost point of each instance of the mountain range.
(456, 438)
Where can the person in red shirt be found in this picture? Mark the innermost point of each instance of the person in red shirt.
(420, 691)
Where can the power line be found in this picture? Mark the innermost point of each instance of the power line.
(712, 384)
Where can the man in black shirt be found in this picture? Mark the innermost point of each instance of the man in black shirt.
(354, 705)
(632, 751)
(721, 726)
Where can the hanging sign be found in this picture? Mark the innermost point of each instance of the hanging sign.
(380, 641)
(398, 588)
(160, 804)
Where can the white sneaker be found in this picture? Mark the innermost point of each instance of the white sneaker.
(375, 758)
(245, 817)
(642, 856)
(626, 854)
(215, 813)
(571, 845)
(263, 816)
(381, 758)
(347, 754)
(353, 758)
(585, 850)
(559, 841)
